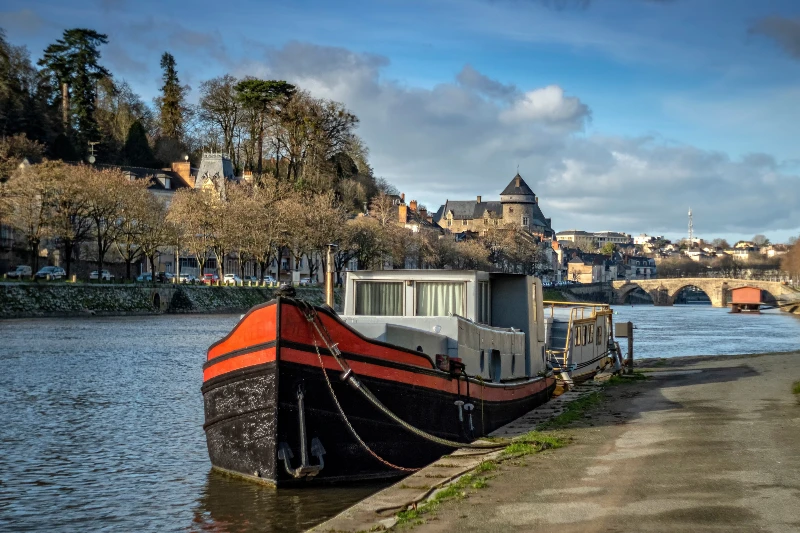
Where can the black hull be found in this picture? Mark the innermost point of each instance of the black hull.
(251, 412)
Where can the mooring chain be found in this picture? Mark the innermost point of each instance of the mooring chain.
(349, 376)
(347, 422)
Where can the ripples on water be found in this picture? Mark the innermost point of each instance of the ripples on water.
(101, 429)
(101, 420)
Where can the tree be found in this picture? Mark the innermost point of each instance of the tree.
(383, 209)
(31, 191)
(70, 222)
(220, 107)
(155, 229)
(720, 244)
(791, 261)
(73, 61)
(263, 99)
(171, 104)
(760, 240)
(118, 108)
(107, 192)
(608, 248)
(190, 214)
(136, 151)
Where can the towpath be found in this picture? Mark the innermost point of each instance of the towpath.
(709, 447)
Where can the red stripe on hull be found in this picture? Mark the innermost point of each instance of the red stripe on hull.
(239, 362)
(295, 327)
(259, 326)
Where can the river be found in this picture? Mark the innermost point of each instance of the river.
(101, 420)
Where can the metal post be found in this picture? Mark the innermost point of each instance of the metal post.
(330, 271)
(630, 347)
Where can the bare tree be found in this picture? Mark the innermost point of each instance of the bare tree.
(220, 107)
(190, 214)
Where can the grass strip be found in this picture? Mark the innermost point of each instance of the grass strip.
(796, 387)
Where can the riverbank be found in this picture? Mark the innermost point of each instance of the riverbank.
(60, 299)
(702, 445)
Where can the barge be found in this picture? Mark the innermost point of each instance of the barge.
(419, 363)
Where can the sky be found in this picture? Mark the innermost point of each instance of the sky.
(620, 114)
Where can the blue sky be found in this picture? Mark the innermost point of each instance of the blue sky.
(620, 113)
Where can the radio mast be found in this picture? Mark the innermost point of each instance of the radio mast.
(691, 229)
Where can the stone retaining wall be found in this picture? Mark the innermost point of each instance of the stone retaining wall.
(25, 300)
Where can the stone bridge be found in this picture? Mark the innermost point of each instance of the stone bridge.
(664, 291)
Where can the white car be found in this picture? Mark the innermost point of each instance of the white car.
(232, 279)
(105, 275)
(269, 279)
(187, 278)
(21, 271)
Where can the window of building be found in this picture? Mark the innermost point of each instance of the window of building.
(449, 222)
(380, 298)
(510, 209)
(495, 222)
(485, 221)
(464, 222)
(440, 298)
(524, 221)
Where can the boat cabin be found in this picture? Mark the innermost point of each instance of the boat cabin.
(492, 322)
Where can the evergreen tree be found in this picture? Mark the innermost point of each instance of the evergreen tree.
(137, 150)
(73, 61)
(171, 104)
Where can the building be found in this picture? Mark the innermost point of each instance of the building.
(585, 239)
(639, 267)
(518, 205)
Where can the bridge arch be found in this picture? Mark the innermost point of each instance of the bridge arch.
(676, 293)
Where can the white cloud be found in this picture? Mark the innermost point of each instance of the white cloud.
(548, 105)
(455, 141)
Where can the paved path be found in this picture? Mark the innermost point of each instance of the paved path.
(698, 451)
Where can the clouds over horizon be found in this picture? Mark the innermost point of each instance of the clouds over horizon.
(465, 137)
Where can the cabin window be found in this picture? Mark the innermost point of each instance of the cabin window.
(599, 334)
(483, 360)
(381, 298)
(482, 311)
(591, 335)
(577, 336)
(440, 298)
(583, 337)
(495, 366)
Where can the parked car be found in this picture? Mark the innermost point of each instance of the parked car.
(105, 275)
(306, 281)
(20, 271)
(187, 278)
(232, 279)
(210, 278)
(269, 279)
(251, 279)
(147, 276)
(53, 272)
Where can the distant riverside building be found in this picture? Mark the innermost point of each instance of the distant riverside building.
(593, 239)
(518, 205)
(644, 238)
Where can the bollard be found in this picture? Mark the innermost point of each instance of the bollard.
(74, 278)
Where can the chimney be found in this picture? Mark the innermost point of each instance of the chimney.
(516, 180)
(412, 205)
(423, 213)
(184, 170)
(479, 199)
(402, 197)
(402, 213)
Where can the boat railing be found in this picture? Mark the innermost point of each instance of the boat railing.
(578, 308)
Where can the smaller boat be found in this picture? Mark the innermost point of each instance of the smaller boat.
(579, 339)
(746, 300)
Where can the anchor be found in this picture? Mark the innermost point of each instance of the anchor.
(317, 450)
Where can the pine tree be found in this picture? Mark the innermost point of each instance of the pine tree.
(137, 150)
(74, 62)
(171, 104)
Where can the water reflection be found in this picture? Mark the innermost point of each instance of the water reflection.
(235, 506)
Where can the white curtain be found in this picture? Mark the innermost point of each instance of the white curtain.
(440, 298)
(379, 298)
